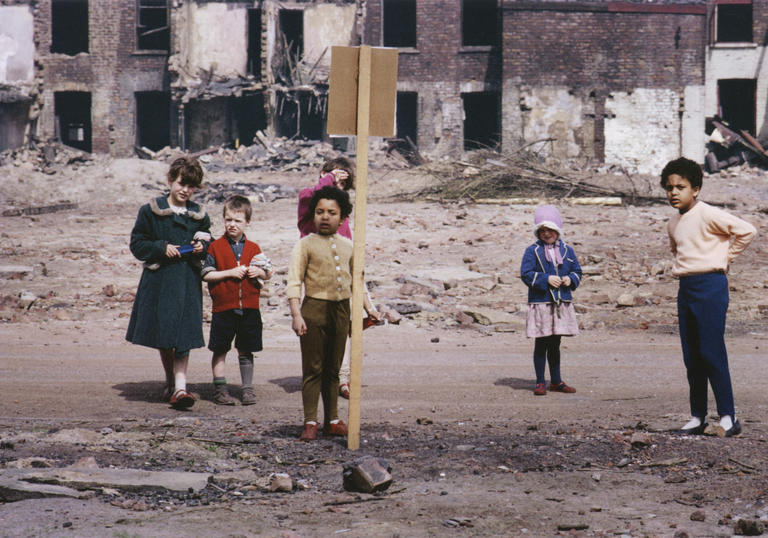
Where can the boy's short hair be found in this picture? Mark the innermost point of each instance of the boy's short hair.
(332, 193)
(188, 170)
(683, 167)
(238, 203)
(341, 163)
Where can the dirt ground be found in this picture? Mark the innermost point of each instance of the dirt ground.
(446, 395)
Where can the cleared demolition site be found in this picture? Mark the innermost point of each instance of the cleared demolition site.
(501, 106)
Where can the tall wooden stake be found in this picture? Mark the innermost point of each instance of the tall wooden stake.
(358, 279)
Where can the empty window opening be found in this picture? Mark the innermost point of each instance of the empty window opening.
(299, 115)
(73, 118)
(479, 23)
(13, 122)
(153, 120)
(482, 120)
(734, 22)
(69, 26)
(290, 48)
(254, 43)
(152, 29)
(406, 122)
(736, 103)
(292, 28)
(399, 26)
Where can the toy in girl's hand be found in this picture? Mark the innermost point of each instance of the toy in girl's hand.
(369, 321)
(189, 248)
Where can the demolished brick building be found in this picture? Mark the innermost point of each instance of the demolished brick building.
(107, 76)
(628, 83)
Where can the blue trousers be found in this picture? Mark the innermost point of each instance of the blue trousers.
(702, 302)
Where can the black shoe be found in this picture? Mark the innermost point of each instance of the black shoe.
(733, 430)
(696, 430)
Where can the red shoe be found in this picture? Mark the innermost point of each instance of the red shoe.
(338, 428)
(561, 387)
(344, 391)
(181, 399)
(309, 433)
(540, 390)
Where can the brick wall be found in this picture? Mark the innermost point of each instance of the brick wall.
(608, 50)
(593, 52)
(111, 71)
(760, 21)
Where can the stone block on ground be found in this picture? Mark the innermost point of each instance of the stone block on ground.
(487, 316)
(280, 482)
(749, 527)
(367, 475)
(626, 299)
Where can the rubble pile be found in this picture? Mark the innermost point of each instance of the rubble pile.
(279, 154)
(487, 175)
(49, 157)
(256, 192)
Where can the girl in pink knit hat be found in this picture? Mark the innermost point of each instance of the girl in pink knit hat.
(551, 271)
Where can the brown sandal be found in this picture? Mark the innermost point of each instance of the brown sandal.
(181, 399)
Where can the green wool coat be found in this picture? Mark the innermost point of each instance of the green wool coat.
(168, 309)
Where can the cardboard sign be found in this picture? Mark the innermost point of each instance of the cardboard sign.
(343, 87)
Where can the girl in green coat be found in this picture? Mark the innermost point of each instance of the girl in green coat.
(171, 236)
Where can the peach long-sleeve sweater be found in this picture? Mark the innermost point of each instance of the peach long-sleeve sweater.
(706, 239)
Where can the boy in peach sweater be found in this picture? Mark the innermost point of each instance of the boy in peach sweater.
(704, 241)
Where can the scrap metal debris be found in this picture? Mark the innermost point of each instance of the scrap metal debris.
(728, 148)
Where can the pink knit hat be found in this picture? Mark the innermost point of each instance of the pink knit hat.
(547, 216)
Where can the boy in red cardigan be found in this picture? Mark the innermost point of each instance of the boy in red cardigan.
(232, 269)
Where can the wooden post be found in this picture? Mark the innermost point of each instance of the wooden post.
(358, 238)
(361, 102)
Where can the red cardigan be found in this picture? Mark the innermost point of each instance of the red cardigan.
(229, 293)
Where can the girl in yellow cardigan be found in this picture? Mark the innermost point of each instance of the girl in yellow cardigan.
(323, 263)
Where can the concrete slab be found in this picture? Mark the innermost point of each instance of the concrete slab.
(12, 489)
(121, 479)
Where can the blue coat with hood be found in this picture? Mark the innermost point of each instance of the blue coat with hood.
(535, 269)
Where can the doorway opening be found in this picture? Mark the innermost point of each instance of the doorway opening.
(153, 120)
(407, 124)
(73, 118)
(13, 122)
(736, 103)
